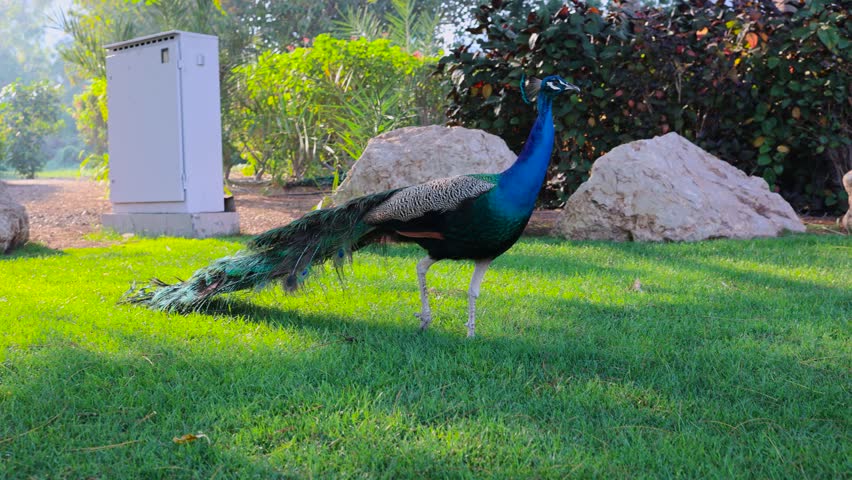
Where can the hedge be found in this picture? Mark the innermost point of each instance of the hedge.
(765, 90)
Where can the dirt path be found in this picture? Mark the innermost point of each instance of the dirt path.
(63, 212)
(66, 213)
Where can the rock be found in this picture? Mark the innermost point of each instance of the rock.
(667, 189)
(847, 184)
(411, 155)
(14, 223)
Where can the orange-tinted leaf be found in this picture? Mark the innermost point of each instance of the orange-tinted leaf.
(595, 11)
(752, 39)
(190, 437)
(704, 31)
(783, 149)
(592, 121)
(487, 89)
(758, 141)
(797, 113)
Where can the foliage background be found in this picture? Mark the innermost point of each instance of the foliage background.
(284, 134)
(764, 90)
(315, 108)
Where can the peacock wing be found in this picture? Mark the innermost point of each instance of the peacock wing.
(435, 196)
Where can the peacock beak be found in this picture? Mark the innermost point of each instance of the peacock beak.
(568, 87)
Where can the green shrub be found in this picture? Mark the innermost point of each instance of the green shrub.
(29, 113)
(90, 114)
(312, 109)
(763, 90)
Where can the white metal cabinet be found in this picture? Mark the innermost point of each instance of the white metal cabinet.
(164, 125)
(165, 137)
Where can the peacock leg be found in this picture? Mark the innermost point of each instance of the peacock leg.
(478, 274)
(425, 314)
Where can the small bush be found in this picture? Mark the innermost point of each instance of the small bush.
(29, 113)
(312, 109)
(766, 91)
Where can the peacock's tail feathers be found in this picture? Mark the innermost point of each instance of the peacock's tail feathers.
(284, 254)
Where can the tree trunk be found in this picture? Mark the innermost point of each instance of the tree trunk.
(841, 162)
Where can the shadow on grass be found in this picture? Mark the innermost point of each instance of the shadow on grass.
(774, 253)
(515, 259)
(317, 394)
(373, 399)
(708, 260)
(31, 250)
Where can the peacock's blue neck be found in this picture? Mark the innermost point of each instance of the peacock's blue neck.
(519, 185)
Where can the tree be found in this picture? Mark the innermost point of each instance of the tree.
(90, 115)
(406, 24)
(22, 52)
(28, 114)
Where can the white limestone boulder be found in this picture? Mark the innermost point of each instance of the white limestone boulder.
(14, 223)
(668, 189)
(411, 155)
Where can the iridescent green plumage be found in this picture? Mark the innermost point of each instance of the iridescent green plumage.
(285, 254)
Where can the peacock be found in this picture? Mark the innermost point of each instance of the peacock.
(468, 217)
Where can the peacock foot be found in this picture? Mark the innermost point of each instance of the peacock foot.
(425, 320)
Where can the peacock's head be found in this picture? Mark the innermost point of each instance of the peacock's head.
(554, 85)
(550, 86)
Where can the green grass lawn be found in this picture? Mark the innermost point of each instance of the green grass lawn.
(67, 172)
(733, 359)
